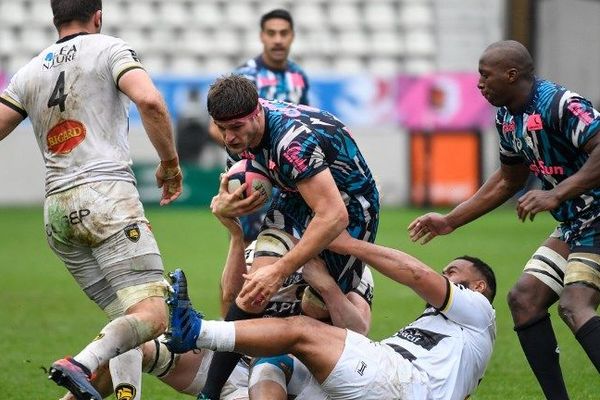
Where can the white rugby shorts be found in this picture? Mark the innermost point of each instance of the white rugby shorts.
(101, 234)
(370, 370)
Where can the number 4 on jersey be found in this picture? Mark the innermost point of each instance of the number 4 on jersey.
(58, 95)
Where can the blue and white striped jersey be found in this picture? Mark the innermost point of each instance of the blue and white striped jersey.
(549, 134)
(290, 84)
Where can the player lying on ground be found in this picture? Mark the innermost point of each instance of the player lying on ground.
(186, 373)
(443, 354)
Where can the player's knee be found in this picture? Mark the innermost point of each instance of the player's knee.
(523, 302)
(274, 370)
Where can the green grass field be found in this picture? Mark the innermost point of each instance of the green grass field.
(44, 315)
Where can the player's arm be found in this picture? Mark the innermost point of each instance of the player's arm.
(588, 177)
(345, 311)
(498, 188)
(138, 86)
(330, 218)
(9, 119)
(399, 266)
(235, 266)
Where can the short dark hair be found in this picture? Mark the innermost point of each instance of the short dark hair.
(73, 10)
(486, 271)
(277, 13)
(230, 97)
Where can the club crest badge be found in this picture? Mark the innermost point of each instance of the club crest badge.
(125, 391)
(132, 232)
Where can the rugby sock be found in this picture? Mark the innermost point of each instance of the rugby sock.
(539, 345)
(223, 363)
(119, 335)
(126, 373)
(589, 338)
(216, 335)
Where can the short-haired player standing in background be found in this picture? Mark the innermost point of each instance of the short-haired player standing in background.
(76, 93)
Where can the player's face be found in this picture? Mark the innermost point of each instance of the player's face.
(240, 134)
(461, 272)
(277, 36)
(493, 81)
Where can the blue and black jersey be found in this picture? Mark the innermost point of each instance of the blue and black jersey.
(549, 134)
(290, 84)
(298, 143)
(301, 141)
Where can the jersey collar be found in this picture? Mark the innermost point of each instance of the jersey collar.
(69, 37)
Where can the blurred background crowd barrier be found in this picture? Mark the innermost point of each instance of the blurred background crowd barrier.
(400, 73)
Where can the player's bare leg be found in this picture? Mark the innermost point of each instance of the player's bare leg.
(529, 300)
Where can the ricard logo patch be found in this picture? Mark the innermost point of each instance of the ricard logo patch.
(65, 136)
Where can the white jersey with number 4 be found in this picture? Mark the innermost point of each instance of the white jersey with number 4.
(452, 345)
(79, 116)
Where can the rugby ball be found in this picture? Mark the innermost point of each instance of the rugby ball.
(251, 172)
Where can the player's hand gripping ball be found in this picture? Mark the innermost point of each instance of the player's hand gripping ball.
(251, 172)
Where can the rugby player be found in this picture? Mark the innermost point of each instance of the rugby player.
(276, 77)
(326, 188)
(552, 132)
(186, 372)
(442, 354)
(76, 93)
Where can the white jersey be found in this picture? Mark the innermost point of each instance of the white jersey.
(79, 116)
(451, 345)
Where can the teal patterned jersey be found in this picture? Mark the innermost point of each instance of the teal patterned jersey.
(289, 84)
(549, 135)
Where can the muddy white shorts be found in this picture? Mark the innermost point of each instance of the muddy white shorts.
(101, 234)
(370, 370)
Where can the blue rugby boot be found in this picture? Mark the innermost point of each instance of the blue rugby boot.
(184, 321)
(75, 377)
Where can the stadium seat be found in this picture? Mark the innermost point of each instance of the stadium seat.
(227, 42)
(40, 13)
(380, 15)
(251, 45)
(309, 15)
(196, 41)
(416, 15)
(13, 13)
(155, 64)
(175, 13)
(206, 14)
(143, 14)
(348, 65)
(186, 65)
(387, 43)
(316, 65)
(383, 66)
(344, 15)
(353, 43)
(35, 39)
(420, 43)
(239, 14)
(217, 65)
(419, 66)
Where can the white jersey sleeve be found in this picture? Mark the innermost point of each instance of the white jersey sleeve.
(366, 286)
(467, 307)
